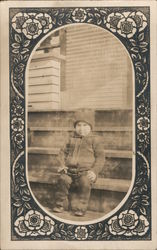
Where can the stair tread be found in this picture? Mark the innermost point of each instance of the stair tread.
(55, 151)
(96, 129)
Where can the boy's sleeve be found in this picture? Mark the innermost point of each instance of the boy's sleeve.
(99, 155)
(63, 154)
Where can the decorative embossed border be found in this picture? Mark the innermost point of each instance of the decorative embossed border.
(131, 25)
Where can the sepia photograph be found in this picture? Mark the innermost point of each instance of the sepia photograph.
(79, 93)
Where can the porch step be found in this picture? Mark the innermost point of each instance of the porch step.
(117, 185)
(71, 129)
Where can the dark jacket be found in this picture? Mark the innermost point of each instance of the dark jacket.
(84, 153)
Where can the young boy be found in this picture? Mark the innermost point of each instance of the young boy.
(81, 160)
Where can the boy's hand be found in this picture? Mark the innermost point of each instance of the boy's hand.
(91, 175)
(62, 170)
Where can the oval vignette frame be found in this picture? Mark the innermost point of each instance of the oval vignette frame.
(133, 136)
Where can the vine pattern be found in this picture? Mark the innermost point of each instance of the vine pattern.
(131, 27)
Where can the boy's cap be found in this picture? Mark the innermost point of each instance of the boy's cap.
(84, 115)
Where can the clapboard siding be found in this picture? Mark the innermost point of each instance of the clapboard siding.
(44, 80)
(44, 84)
(47, 63)
(44, 72)
(43, 105)
(47, 88)
(96, 69)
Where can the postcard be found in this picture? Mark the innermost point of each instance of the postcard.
(78, 125)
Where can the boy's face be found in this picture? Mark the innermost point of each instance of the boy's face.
(82, 128)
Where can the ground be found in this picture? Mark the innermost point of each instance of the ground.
(90, 215)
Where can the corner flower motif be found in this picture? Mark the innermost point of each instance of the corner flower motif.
(112, 21)
(34, 224)
(140, 20)
(126, 27)
(79, 15)
(34, 220)
(81, 233)
(32, 28)
(20, 227)
(18, 20)
(128, 220)
(48, 227)
(142, 227)
(128, 224)
(114, 226)
(45, 21)
(143, 123)
(17, 124)
(31, 24)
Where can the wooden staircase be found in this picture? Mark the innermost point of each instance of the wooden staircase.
(47, 131)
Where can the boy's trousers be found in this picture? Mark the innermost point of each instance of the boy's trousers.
(78, 186)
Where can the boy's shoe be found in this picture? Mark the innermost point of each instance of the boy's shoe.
(58, 209)
(79, 213)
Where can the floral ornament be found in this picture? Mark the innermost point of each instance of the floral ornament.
(143, 137)
(34, 224)
(79, 15)
(81, 233)
(142, 227)
(32, 28)
(142, 109)
(32, 24)
(19, 138)
(143, 123)
(126, 27)
(19, 47)
(140, 20)
(112, 21)
(18, 110)
(48, 226)
(45, 21)
(126, 23)
(17, 124)
(20, 227)
(34, 220)
(18, 21)
(128, 224)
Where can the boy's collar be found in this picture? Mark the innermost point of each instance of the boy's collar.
(79, 136)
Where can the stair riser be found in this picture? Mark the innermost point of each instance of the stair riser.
(111, 140)
(65, 119)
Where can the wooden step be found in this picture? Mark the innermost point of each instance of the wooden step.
(70, 129)
(115, 140)
(104, 118)
(55, 151)
(118, 185)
